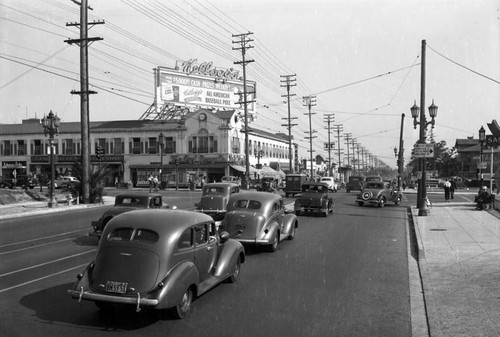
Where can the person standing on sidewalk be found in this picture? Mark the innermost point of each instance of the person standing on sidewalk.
(447, 186)
(453, 187)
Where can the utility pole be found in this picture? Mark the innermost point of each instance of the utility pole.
(310, 101)
(338, 128)
(289, 82)
(347, 141)
(401, 153)
(83, 42)
(329, 118)
(353, 144)
(243, 42)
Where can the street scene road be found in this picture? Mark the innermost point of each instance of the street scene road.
(346, 274)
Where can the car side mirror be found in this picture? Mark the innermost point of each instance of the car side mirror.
(224, 236)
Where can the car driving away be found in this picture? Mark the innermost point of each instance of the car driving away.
(160, 259)
(314, 199)
(378, 193)
(260, 219)
(330, 181)
(214, 199)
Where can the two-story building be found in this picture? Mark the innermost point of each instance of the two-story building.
(199, 144)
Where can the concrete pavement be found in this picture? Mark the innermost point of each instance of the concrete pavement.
(459, 261)
(455, 286)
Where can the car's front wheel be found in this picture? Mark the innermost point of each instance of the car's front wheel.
(236, 272)
(184, 306)
(381, 202)
(398, 201)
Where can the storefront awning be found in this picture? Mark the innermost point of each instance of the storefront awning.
(266, 171)
(238, 168)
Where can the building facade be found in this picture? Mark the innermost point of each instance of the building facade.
(198, 145)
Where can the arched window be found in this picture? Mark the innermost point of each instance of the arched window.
(203, 142)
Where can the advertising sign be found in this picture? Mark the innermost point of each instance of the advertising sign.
(204, 86)
(492, 140)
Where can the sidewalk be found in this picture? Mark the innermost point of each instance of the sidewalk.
(459, 260)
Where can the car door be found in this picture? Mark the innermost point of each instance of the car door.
(205, 249)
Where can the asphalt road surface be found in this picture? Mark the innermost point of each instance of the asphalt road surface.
(344, 275)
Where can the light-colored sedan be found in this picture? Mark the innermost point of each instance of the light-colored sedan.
(161, 259)
(259, 218)
(330, 182)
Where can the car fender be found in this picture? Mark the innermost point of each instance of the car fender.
(175, 284)
(268, 231)
(289, 223)
(232, 250)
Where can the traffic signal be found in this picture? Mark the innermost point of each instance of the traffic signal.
(99, 151)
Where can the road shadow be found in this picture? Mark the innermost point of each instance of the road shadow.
(55, 306)
(86, 240)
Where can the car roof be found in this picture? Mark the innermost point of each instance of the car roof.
(162, 221)
(254, 195)
(225, 184)
(314, 183)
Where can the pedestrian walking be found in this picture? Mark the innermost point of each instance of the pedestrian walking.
(150, 180)
(447, 186)
(155, 183)
(453, 187)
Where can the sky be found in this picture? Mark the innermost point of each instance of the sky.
(361, 59)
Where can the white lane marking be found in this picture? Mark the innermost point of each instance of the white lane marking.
(46, 263)
(42, 278)
(33, 247)
(42, 238)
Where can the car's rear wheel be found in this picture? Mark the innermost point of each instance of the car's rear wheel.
(381, 202)
(184, 306)
(274, 245)
(236, 272)
(292, 235)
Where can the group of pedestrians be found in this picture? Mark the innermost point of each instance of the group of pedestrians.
(153, 183)
(449, 189)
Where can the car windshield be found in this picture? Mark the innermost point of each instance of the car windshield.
(128, 201)
(374, 184)
(251, 204)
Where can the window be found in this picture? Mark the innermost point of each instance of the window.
(169, 145)
(185, 241)
(136, 146)
(152, 145)
(202, 143)
(7, 148)
(117, 146)
(235, 145)
(38, 147)
(21, 148)
(145, 235)
(68, 147)
(120, 234)
(200, 234)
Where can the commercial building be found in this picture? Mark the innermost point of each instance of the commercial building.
(197, 144)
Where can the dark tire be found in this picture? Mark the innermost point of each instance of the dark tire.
(381, 202)
(398, 201)
(184, 306)
(292, 235)
(273, 247)
(360, 203)
(236, 273)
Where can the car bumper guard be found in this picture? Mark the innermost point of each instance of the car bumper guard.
(90, 296)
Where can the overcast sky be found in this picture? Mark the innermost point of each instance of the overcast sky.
(361, 58)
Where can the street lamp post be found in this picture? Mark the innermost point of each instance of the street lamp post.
(176, 174)
(482, 138)
(422, 187)
(161, 139)
(50, 125)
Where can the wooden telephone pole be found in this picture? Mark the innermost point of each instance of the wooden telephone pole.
(289, 82)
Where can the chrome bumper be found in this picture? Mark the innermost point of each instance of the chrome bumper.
(91, 296)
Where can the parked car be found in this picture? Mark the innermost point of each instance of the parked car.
(355, 183)
(259, 218)
(293, 184)
(161, 259)
(231, 179)
(127, 202)
(314, 198)
(373, 178)
(330, 181)
(5, 183)
(378, 193)
(214, 198)
(62, 182)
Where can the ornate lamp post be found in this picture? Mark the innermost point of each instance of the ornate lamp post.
(161, 139)
(482, 139)
(176, 173)
(422, 187)
(50, 125)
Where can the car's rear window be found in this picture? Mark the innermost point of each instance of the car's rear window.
(129, 234)
(251, 204)
(213, 190)
(374, 185)
(128, 201)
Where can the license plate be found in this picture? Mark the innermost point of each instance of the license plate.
(116, 287)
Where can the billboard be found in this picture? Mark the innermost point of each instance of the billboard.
(203, 86)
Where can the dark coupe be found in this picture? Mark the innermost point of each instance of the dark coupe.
(314, 198)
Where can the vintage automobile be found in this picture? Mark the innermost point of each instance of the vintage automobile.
(214, 198)
(231, 179)
(330, 181)
(378, 193)
(314, 198)
(355, 183)
(259, 218)
(162, 259)
(267, 184)
(127, 202)
(293, 183)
